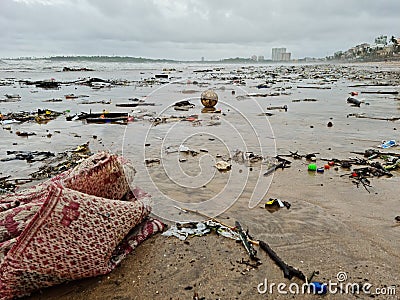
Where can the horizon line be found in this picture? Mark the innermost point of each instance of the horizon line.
(148, 58)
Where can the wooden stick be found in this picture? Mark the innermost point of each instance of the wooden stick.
(246, 241)
(203, 215)
(288, 271)
(380, 92)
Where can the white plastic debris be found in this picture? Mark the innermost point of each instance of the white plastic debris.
(187, 229)
(223, 165)
(183, 148)
(183, 230)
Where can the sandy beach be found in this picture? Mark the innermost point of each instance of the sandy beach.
(330, 229)
(334, 227)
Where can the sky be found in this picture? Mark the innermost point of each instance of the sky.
(191, 29)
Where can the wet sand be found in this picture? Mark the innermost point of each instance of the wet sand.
(331, 227)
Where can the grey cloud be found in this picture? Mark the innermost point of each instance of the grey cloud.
(189, 29)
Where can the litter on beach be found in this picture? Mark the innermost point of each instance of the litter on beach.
(265, 189)
(190, 229)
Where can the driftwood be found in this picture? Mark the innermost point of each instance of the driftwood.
(273, 94)
(288, 271)
(305, 100)
(96, 102)
(10, 100)
(364, 181)
(126, 104)
(282, 164)
(45, 84)
(286, 163)
(370, 152)
(314, 87)
(296, 155)
(245, 241)
(376, 169)
(381, 92)
(146, 104)
(367, 84)
(284, 107)
(373, 118)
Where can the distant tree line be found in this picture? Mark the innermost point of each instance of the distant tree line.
(108, 59)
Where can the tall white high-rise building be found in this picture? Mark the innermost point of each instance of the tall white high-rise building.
(280, 54)
(277, 53)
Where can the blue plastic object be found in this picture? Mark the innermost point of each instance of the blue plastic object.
(318, 288)
(388, 144)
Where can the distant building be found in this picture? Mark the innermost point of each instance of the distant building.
(277, 53)
(360, 50)
(280, 54)
(381, 40)
(202, 58)
(254, 57)
(286, 56)
(261, 58)
(378, 50)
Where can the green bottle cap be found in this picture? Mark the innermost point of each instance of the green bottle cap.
(312, 167)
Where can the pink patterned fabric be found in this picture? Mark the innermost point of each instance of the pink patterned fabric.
(14, 220)
(35, 194)
(135, 237)
(5, 247)
(51, 233)
(102, 175)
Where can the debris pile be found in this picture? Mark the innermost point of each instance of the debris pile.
(44, 84)
(52, 165)
(11, 98)
(184, 105)
(41, 116)
(191, 229)
(68, 69)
